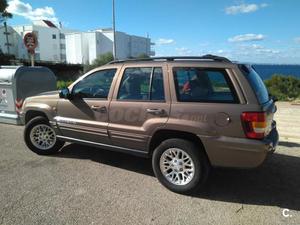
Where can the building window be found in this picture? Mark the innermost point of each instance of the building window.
(62, 46)
(62, 36)
(53, 36)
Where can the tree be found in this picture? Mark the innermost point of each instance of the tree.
(143, 56)
(3, 13)
(284, 87)
(99, 61)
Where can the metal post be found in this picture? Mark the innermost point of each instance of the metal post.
(6, 34)
(32, 58)
(114, 30)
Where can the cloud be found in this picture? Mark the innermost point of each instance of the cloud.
(25, 10)
(247, 37)
(256, 49)
(297, 40)
(183, 51)
(244, 8)
(163, 41)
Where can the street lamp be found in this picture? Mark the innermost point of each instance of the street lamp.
(114, 30)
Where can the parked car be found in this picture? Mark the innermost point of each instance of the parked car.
(187, 113)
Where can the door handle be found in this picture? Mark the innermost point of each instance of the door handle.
(98, 108)
(156, 111)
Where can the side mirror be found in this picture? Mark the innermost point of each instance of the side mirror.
(65, 93)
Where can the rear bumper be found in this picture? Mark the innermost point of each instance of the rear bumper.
(239, 152)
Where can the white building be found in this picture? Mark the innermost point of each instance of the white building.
(9, 40)
(51, 41)
(56, 44)
(84, 47)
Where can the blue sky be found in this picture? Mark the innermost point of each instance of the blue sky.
(252, 31)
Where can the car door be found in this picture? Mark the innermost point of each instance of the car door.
(85, 116)
(140, 105)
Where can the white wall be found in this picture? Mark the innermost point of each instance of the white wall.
(12, 39)
(92, 44)
(74, 48)
(140, 45)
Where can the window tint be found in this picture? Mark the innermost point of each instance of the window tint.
(96, 85)
(203, 85)
(157, 88)
(256, 83)
(142, 84)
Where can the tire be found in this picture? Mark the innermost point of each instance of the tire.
(40, 130)
(189, 156)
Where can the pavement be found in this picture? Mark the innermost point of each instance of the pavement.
(288, 120)
(84, 185)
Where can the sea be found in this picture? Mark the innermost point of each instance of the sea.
(267, 70)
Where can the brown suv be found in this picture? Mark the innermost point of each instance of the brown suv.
(187, 113)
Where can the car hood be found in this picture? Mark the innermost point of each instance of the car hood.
(47, 93)
(44, 96)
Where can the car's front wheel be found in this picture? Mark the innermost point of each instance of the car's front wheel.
(180, 165)
(40, 137)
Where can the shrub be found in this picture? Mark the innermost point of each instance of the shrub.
(60, 84)
(99, 61)
(284, 87)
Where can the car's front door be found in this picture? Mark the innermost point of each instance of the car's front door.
(139, 107)
(85, 116)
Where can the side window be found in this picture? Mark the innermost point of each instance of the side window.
(96, 85)
(203, 85)
(135, 84)
(142, 84)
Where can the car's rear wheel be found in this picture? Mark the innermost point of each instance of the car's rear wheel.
(180, 166)
(40, 137)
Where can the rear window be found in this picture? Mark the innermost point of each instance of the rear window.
(203, 85)
(256, 83)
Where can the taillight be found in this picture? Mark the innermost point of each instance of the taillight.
(255, 124)
(19, 104)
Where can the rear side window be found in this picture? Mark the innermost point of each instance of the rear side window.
(256, 83)
(203, 85)
(142, 84)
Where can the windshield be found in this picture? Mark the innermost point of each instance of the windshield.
(256, 83)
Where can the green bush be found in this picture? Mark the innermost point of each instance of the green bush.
(99, 61)
(285, 88)
(60, 84)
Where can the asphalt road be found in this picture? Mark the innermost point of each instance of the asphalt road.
(83, 185)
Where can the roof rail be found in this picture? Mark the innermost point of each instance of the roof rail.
(174, 58)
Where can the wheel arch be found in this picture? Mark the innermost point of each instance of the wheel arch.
(161, 135)
(30, 114)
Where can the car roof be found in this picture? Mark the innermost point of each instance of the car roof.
(211, 61)
(206, 60)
